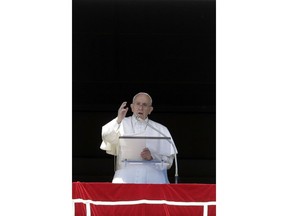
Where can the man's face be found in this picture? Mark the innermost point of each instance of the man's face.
(141, 106)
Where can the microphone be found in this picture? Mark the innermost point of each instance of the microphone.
(169, 140)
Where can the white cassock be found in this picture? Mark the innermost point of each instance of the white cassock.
(162, 151)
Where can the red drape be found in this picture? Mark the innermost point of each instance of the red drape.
(166, 193)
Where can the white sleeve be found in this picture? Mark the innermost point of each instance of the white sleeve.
(110, 137)
(165, 159)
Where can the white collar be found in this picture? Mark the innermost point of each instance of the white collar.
(134, 120)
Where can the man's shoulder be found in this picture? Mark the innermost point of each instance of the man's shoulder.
(158, 124)
(127, 119)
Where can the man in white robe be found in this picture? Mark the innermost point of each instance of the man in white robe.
(158, 155)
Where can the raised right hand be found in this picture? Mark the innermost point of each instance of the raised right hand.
(122, 111)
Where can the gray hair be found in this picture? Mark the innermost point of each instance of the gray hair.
(142, 93)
